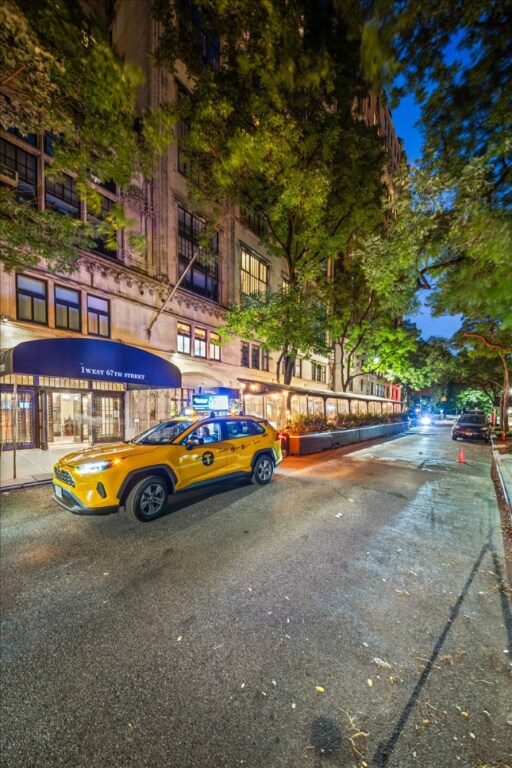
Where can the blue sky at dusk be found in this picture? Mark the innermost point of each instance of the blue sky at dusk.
(405, 119)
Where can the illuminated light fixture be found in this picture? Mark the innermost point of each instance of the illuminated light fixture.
(254, 387)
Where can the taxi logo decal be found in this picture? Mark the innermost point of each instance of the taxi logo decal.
(207, 458)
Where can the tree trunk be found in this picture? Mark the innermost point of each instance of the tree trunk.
(288, 367)
(505, 396)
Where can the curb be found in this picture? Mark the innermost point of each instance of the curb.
(19, 486)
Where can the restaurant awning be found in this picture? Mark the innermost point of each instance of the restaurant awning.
(92, 359)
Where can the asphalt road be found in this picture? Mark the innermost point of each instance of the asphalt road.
(352, 613)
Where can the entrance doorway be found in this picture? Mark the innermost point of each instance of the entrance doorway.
(68, 417)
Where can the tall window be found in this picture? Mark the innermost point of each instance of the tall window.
(199, 342)
(185, 165)
(254, 273)
(62, 196)
(298, 368)
(246, 354)
(265, 360)
(203, 276)
(31, 299)
(67, 308)
(184, 338)
(207, 43)
(106, 206)
(98, 316)
(214, 346)
(255, 356)
(21, 167)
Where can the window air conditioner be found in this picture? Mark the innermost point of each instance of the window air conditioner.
(8, 175)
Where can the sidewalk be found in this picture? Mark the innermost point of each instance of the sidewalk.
(504, 467)
(33, 466)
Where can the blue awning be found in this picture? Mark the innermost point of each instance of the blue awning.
(91, 359)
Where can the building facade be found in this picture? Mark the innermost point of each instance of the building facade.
(135, 301)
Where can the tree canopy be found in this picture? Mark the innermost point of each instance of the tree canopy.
(60, 75)
(455, 215)
(272, 126)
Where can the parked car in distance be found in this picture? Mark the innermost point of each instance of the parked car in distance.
(173, 456)
(472, 426)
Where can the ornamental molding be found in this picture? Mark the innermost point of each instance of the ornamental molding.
(120, 274)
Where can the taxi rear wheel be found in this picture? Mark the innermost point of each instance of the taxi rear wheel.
(263, 470)
(147, 499)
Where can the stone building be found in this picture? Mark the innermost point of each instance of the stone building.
(118, 345)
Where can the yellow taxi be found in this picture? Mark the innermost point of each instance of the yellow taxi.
(174, 456)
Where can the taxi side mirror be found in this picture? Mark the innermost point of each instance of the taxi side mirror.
(193, 442)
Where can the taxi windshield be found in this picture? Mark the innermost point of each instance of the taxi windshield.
(162, 434)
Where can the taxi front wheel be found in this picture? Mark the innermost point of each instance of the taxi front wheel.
(147, 499)
(263, 470)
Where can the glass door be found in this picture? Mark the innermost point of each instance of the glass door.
(108, 418)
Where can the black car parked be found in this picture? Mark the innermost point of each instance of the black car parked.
(472, 426)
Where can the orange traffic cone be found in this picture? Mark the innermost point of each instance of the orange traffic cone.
(461, 458)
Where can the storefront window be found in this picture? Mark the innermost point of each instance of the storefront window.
(31, 299)
(25, 419)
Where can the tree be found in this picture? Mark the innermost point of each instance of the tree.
(488, 339)
(287, 314)
(59, 75)
(272, 127)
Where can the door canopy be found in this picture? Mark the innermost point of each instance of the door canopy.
(92, 359)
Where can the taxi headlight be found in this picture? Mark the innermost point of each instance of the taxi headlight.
(93, 466)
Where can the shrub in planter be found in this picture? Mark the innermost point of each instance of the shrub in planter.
(304, 424)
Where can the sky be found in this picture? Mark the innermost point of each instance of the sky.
(405, 117)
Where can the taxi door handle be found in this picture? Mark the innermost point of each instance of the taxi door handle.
(233, 449)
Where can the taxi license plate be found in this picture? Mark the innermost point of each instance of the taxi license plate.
(58, 491)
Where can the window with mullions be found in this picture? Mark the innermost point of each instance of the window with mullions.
(255, 356)
(98, 316)
(254, 273)
(199, 342)
(208, 44)
(184, 338)
(107, 206)
(253, 221)
(19, 166)
(61, 195)
(265, 360)
(318, 372)
(245, 357)
(28, 138)
(31, 299)
(67, 309)
(203, 276)
(214, 346)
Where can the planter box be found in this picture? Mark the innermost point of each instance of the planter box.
(300, 445)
